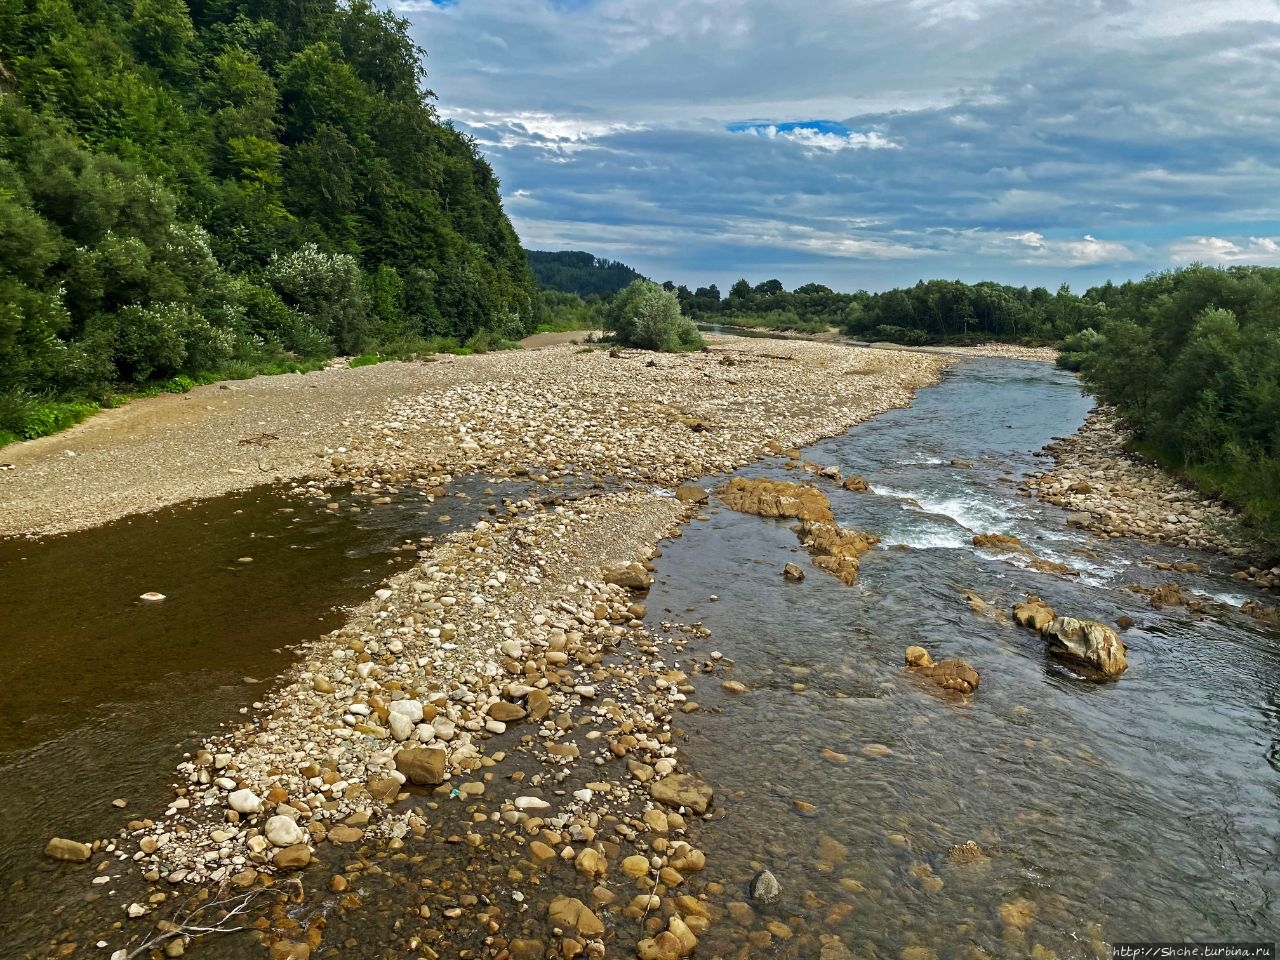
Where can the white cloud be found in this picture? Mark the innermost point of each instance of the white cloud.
(1264, 251)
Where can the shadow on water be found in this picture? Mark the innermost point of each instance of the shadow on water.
(1147, 809)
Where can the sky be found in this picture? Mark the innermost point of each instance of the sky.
(867, 144)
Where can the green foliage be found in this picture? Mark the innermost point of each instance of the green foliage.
(1191, 358)
(645, 315)
(191, 187)
(568, 311)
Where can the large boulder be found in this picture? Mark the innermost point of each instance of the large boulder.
(692, 493)
(69, 851)
(572, 913)
(424, 766)
(1092, 644)
(776, 498)
(835, 549)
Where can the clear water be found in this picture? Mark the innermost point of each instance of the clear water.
(1147, 809)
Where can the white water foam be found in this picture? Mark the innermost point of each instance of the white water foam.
(975, 514)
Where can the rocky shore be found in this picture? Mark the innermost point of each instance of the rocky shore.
(1115, 493)
(510, 674)
(654, 419)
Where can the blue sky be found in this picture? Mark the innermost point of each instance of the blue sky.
(872, 143)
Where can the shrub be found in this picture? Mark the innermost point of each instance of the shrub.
(644, 315)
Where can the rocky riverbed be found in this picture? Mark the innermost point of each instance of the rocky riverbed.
(510, 670)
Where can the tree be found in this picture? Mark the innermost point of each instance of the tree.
(645, 315)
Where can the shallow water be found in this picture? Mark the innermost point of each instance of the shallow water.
(100, 693)
(1146, 809)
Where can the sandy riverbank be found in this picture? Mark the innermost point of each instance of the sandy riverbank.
(680, 417)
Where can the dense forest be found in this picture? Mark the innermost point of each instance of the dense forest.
(1191, 358)
(218, 186)
(583, 274)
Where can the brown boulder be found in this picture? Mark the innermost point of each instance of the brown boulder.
(691, 493)
(793, 573)
(424, 766)
(629, 576)
(69, 851)
(507, 712)
(997, 541)
(948, 674)
(776, 498)
(292, 858)
(1034, 613)
(856, 483)
(570, 912)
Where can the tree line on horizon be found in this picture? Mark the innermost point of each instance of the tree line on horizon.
(198, 188)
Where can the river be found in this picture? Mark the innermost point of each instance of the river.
(1145, 809)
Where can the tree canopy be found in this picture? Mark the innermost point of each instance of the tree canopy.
(186, 185)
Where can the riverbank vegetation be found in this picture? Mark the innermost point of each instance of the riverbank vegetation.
(191, 189)
(1191, 359)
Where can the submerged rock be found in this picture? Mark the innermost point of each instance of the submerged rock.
(765, 887)
(1087, 642)
(69, 851)
(682, 790)
(424, 766)
(793, 573)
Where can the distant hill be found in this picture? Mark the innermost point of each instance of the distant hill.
(576, 271)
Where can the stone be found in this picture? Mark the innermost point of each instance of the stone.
(245, 801)
(590, 863)
(998, 541)
(412, 710)
(967, 852)
(948, 674)
(765, 887)
(572, 913)
(682, 790)
(793, 573)
(506, 712)
(344, 834)
(776, 498)
(292, 858)
(856, 483)
(424, 766)
(635, 866)
(1089, 643)
(629, 576)
(733, 686)
(691, 493)
(1034, 613)
(401, 727)
(284, 831)
(537, 705)
(290, 950)
(69, 851)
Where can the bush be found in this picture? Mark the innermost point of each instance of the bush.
(647, 316)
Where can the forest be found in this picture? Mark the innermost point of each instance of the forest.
(1191, 358)
(580, 273)
(215, 187)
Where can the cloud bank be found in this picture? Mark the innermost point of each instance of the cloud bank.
(869, 143)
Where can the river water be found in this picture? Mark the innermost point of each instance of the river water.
(1147, 809)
